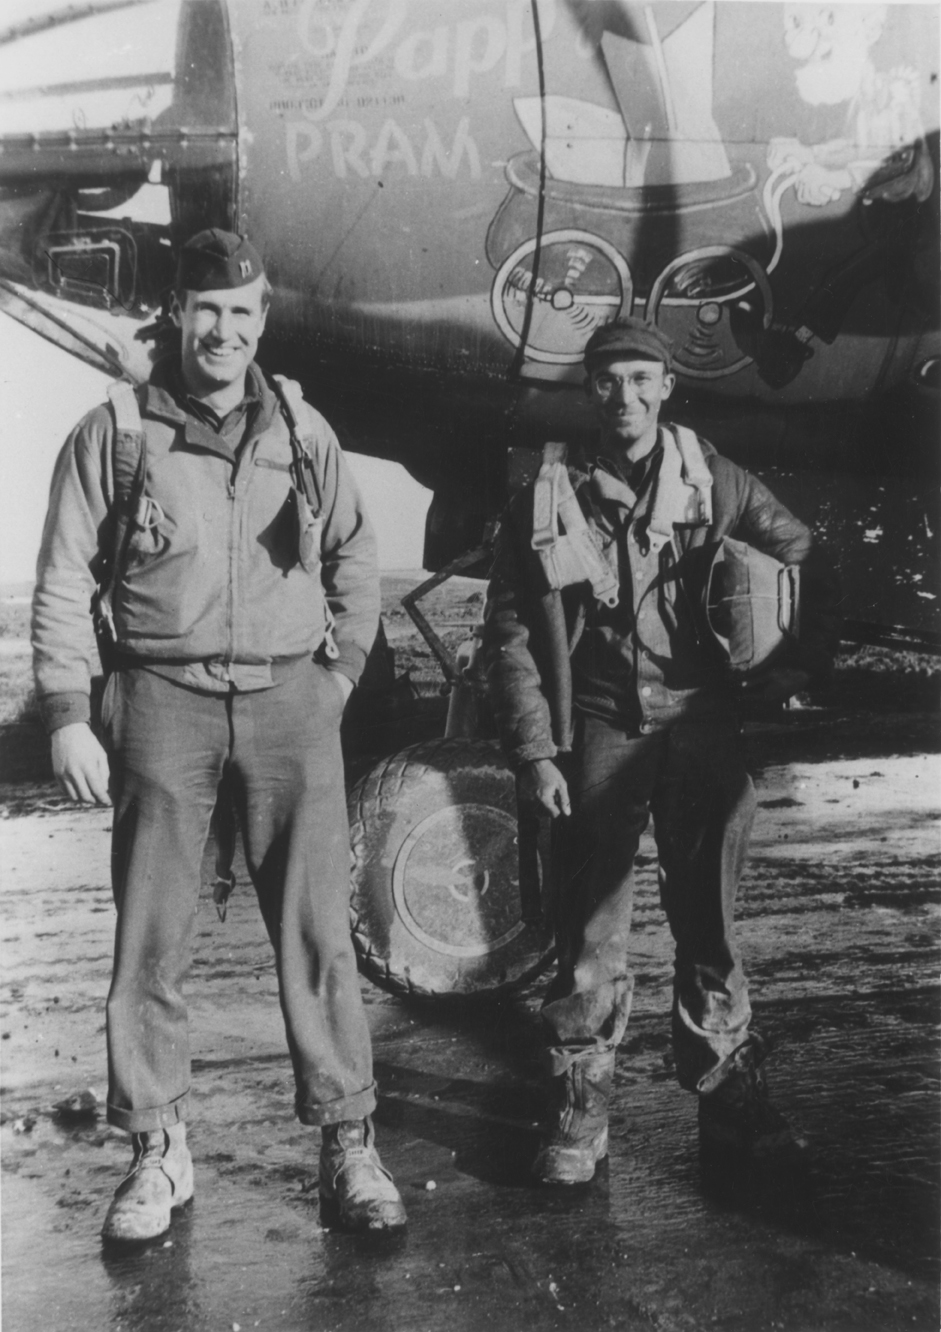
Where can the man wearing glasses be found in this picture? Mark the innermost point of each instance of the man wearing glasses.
(613, 704)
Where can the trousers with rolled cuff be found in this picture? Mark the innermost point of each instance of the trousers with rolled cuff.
(690, 776)
(276, 754)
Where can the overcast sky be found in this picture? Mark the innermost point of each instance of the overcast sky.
(44, 391)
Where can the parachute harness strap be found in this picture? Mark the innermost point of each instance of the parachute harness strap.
(570, 556)
(684, 488)
(307, 493)
(131, 504)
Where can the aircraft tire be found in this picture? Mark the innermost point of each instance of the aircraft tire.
(435, 907)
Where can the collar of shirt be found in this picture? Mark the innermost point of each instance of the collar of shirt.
(167, 397)
(194, 406)
(638, 473)
(614, 497)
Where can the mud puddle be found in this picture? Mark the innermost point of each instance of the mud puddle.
(839, 932)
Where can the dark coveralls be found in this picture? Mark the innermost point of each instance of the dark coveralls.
(651, 728)
(216, 685)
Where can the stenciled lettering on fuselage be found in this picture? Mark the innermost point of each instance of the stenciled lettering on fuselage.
(748, 176)
(352, 152)
(349, 54)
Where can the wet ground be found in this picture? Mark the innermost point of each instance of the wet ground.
(839, 929)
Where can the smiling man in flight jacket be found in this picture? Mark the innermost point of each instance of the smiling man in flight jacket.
(212, 518)
(611, 706)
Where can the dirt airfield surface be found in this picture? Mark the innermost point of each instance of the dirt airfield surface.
(839, 928)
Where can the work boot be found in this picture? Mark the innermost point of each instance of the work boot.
(160, 1178)
(578, 1138)
(354, 1179)
(736, 1119)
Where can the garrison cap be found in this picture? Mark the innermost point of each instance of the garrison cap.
(216, 260)
(625, 336)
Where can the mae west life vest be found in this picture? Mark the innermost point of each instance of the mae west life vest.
(138, 513)
(749, 602)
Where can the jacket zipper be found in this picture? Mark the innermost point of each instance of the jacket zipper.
(233, 552)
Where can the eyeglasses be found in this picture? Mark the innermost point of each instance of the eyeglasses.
(606, 384)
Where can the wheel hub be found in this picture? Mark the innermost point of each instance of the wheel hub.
(456, 880)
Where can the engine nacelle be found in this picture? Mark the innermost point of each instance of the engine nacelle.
(129, 145)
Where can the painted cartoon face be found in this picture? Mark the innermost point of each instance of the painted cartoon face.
(833, 41)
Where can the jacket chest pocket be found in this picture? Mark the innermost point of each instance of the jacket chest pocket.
(147, 531)
(294, 537)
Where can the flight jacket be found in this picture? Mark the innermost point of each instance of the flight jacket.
(217, 576)
(531, 631)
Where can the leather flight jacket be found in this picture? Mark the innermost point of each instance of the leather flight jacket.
(531, 628)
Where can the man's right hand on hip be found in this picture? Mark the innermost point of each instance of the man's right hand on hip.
(540, 783)
(80, 764)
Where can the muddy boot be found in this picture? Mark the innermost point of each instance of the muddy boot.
(736, 1119)
(578, 1138)
(160, 1178)
(354, 1180)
